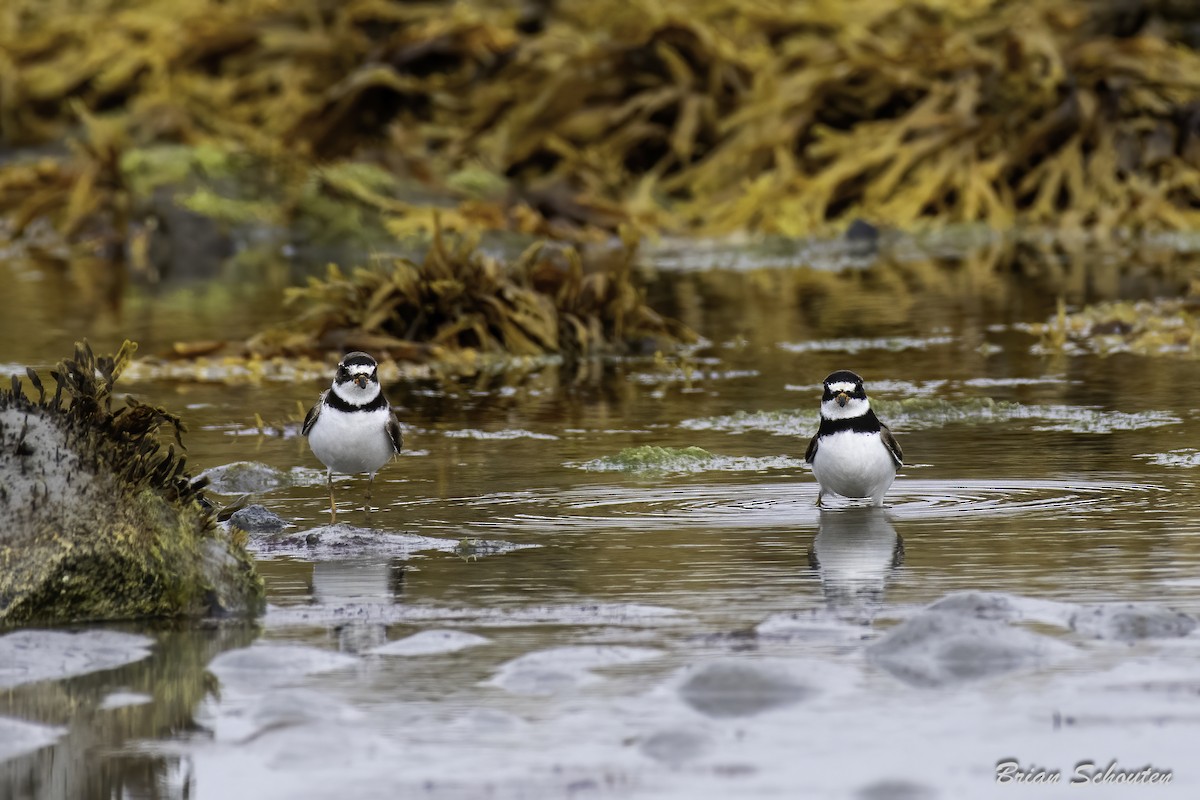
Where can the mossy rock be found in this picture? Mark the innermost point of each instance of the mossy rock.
(101, 521)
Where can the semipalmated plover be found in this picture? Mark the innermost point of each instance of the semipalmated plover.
(351, 429)
(853, 454)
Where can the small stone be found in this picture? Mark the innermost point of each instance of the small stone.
(936, 648)
(1130, 622)
(740, 690)
(673, 747)
(895, 789)
(245, 477)
(258, 519)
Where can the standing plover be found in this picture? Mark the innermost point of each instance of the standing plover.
(351, 429)
(853, 453)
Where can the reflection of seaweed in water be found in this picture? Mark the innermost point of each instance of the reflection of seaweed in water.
(82, 763)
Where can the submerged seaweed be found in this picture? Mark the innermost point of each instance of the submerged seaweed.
(654, 458)
(1161, 327)
(918, 413)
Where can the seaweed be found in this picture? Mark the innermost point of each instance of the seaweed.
(1161, 327)
(129, 438)
(551, 301)
(103, 520)
(574, 119)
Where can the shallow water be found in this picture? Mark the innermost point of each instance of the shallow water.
(692, 629)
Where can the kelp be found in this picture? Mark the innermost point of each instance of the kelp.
(126, 441)
(459, 304)
(573, 118)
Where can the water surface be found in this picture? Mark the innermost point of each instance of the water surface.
(697, 630)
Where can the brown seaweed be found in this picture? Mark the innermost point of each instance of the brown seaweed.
(549, 301)
(102, 519)
(708, 116)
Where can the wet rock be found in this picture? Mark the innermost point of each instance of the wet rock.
(245, 477)
(32, 656)
(673, 747)
(936, 648)
(1000, 606)
(345, 541)
(546, 672)
(431, 643)
(1130, 622)
(632, 618)
(980, 605)
(812, 625)
(101, 521)
(341, 539)
(862, 238)
(862, 231)
(258, 519)
(18, 737)
(246, 717)
(266, 665)
(740, 690)
(895, 789)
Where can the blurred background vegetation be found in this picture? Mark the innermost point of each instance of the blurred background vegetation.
(128, 128)
(558, 118)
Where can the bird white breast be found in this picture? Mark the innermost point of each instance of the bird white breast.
(854, 464)
(352, 442)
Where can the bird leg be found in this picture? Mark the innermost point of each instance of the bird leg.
(370, 482)
(820, 494)
(332, 505)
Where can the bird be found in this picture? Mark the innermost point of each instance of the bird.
(853, 454)
(351, 429)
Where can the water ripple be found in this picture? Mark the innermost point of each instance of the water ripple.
(786, 504)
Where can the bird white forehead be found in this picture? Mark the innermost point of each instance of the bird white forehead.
(359, 369)
(841, 386)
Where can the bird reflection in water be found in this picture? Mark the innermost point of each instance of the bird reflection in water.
(357, 583)
(854, 552)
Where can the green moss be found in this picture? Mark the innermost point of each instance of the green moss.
(102, 521)
(653, 458)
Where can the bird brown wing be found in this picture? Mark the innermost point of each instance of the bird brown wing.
(310, 418)
(811, 453)
(393, 431)
(889, 441)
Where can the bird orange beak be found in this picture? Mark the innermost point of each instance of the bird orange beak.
(842, 399)
(360, 381)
